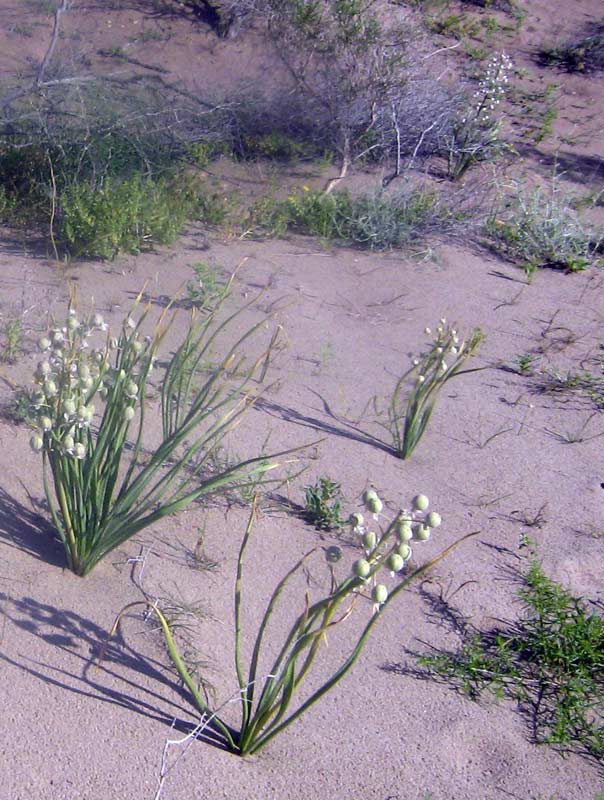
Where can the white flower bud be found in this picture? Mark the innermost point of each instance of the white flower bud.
(404, 551)
(379, 593)
(36, 442)
(420, 502)
(422, 533)
(433, 520)
(375, 505)
(369, 540)
(79, 450)
(131, 389)
(361, 568)
(356, 519)
(395, 562)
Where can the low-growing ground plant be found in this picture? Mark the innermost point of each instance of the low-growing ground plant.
(323, 504)
(551, 661)
(206, 289)
(101, 485)
(584, 54)
(268, 701)
(11, 344)
(417, 390)
(378, 222)
(539, 228)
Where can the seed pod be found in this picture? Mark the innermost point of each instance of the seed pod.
(361, 568)
(79, 450)
(129, 413)
(50, 388)
(356, 519)
(422, 533)
(369, 540)
(375, 505)
(421, 502)
(44, 343)
(69, 407)
(333, 554)
(395, 562)
(379, 593)
(404, 532)
(369, 494)
(404, 551)
(36, 442)
(131, 389)
(68, 442)
(433, 520)
(45, 423)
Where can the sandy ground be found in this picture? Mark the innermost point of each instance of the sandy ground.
(493, 457)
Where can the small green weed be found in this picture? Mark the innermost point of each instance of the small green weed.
(20, 407)
(12, 344)
(323, 504)
(524, 363)
(551, 662)
(206, 289)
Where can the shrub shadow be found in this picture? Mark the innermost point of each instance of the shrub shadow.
(86, 642)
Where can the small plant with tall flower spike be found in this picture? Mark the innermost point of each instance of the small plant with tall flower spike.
(475, 133)
(268, 704)
(410, 410)
(93, 395)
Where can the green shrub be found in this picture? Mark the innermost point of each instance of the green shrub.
(127, 215)
(551, 661)
(377, 222)
(540, 228)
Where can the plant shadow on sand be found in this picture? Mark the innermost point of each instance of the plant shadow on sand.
(28, 530)
(339, 426)
(83, 641)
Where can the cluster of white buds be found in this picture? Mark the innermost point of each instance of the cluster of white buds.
(389, 549)
(72, 372)
(446, 352)
(491, 89)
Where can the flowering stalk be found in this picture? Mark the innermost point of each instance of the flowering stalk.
(89, 399)
(475, 136)
(409, 412)
(267, 700)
